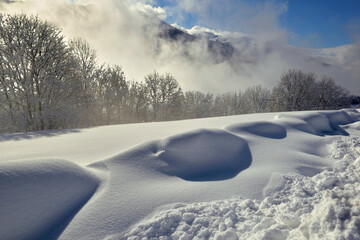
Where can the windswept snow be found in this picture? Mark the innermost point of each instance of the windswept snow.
(325, 206)
(205, 155)
(40, 197)
(85, 146)
(262, 176)
(263, 129)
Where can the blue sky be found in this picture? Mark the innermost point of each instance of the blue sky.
(308, 23)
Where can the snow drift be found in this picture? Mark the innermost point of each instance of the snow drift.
(325, 206)
(261, 176)
(39, 197)
(205, 155)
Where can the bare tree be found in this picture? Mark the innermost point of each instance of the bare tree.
(224, 104)
(138, 102)
(331, 95)
(198, 104)
(38, 82)
(86, 59)
(112, 94)
(298, 91)
(165, 96)
(256, 99)
(294, 92)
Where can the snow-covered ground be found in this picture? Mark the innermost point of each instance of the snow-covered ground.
(258, 176)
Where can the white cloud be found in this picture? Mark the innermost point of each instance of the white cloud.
(124, 36)
(149, 9)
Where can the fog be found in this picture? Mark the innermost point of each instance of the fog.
(126, 33)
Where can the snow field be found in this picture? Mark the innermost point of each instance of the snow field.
(325, 206)
(161, 172)
(262, 176)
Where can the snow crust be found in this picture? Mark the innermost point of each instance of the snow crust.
(325, 206)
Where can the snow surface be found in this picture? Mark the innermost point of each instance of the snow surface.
(325, 206)
(205, 155)
(40, 197)
(258, 176)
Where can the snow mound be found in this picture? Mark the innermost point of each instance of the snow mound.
(343, 117)
(40, 197)
(263, 129)
(319, 123)
(325, 206)
(205, 155)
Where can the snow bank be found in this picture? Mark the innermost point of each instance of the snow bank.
(319, 123)
(40, 197)
(88, 145)
(325, 206)
(205, 155)
(263, 129)
(147, 170)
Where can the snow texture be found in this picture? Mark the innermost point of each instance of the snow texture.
(205, 155)
(263, 129)
(39, 197)
(325, 206)
(258, 176)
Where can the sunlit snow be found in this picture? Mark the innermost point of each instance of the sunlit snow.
(259, 176)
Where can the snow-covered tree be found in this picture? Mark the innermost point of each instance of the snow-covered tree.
(298, 91)
(256, 99)
(39, 85)
(331, 95)
(198, 104)
(112, 94)
(138, 102)
(165, 96)
(229, 103)
(294, 92)
(86, 59)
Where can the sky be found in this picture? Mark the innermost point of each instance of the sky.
(315, 24)
(323, 24)
(270, 37)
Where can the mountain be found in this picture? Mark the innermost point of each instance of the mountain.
(220, 49)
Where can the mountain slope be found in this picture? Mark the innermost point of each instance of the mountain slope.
(220, 50)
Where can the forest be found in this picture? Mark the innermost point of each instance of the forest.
(49, 82)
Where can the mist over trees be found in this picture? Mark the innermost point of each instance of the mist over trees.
(47, 82)
(39, 80)
(298, 91)
(165, 96)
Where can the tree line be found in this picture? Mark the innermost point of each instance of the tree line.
(47, 82)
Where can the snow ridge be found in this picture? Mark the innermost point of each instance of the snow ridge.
(325, 206)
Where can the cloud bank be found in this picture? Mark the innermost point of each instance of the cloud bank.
(126, 33)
